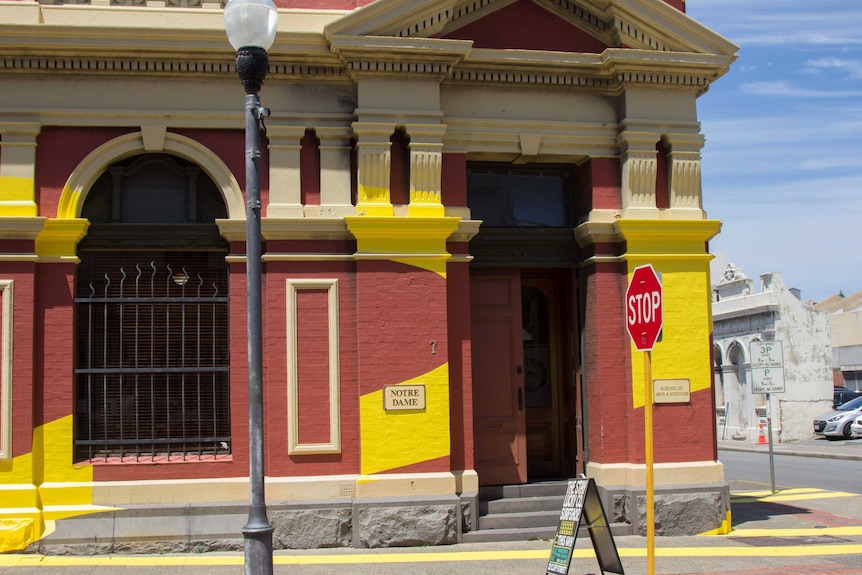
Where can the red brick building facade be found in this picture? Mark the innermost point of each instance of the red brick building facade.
(454, 195)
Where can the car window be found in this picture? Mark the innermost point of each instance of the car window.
(851, 405)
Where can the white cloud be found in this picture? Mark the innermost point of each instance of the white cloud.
(751, 23)
(851, 67)
(783, 88)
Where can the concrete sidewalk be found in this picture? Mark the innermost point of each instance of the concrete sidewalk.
(793, 531)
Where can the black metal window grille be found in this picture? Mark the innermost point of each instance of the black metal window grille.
(152, 369)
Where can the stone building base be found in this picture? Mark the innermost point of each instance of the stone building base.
(204, 527)
(679, 510)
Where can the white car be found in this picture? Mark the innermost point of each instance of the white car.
(837, 423)
(856, 427)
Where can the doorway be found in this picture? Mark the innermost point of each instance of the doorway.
(523, 372)
(547, 392)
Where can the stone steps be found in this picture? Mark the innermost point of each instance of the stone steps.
(522, 513)
(518, 512)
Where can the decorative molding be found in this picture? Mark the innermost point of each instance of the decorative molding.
(92, 65)
(6, 323)
(685, 181)
(392, 56)
(664, 79)
(95, 65)
(526, 77)
(400, 68)
(295, 447)
(90, 168)
(588, 21)
(627, 33)
(24, 228)
(426, 168)
(429, 25)
(469, 11)
(373, 179)
(638, 179)
(58, 241)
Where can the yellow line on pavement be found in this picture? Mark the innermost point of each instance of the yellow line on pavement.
(772, 551)
(800, 532)
(12, 560)
(781, 496)
(779, 492)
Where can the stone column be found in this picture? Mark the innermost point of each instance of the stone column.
(373, 165)
(284, 186)
(639, 166)
(426, 168)
(18, 169)
(684, 170)
(335, 201)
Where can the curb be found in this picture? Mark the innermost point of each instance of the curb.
(780, 450)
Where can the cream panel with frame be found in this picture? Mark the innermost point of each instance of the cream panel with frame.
(295, 447)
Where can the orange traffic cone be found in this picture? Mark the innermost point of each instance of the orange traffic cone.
(761, 439)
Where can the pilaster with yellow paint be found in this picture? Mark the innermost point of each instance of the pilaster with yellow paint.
(43, 486)
(17, 169)
(677, 251)
(402, 334)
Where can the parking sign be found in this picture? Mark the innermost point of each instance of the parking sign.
(767, 367)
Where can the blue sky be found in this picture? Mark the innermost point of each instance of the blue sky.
(782, 166)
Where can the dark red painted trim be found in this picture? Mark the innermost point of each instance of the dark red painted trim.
(607, 365)
(460, 365)
(662, 183)
(599, 185)
(454, 180)
(309, 169)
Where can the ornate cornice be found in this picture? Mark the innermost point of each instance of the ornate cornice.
(97, 40)
(387, 56)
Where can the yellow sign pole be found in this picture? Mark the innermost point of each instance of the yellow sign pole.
(648, 453)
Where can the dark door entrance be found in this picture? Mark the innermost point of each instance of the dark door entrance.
(523, 400)
(547, 390)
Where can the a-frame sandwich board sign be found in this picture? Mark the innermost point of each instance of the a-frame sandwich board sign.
(583, 505)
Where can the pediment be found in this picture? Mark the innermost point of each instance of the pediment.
(577, 26)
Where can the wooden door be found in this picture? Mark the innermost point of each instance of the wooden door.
(547, 403)
(498, 395)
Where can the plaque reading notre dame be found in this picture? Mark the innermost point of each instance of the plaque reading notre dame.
(403, 397)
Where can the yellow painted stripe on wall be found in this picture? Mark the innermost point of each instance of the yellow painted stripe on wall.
(70, 201)
(435, 265)
(419, 242)
(395, 439)
(374, 202)
(676, 250)
(17, 197)
(683, 352)
(48, 481)
(17, 189)
(59, 238)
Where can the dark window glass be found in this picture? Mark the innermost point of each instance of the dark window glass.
(513, 199)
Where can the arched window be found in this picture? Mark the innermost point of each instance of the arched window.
(152, 361)
(718, 375)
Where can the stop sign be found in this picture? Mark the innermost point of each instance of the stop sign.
(644, 315)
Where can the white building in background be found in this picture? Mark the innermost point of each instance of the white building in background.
(845, 319)
(774, 313)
